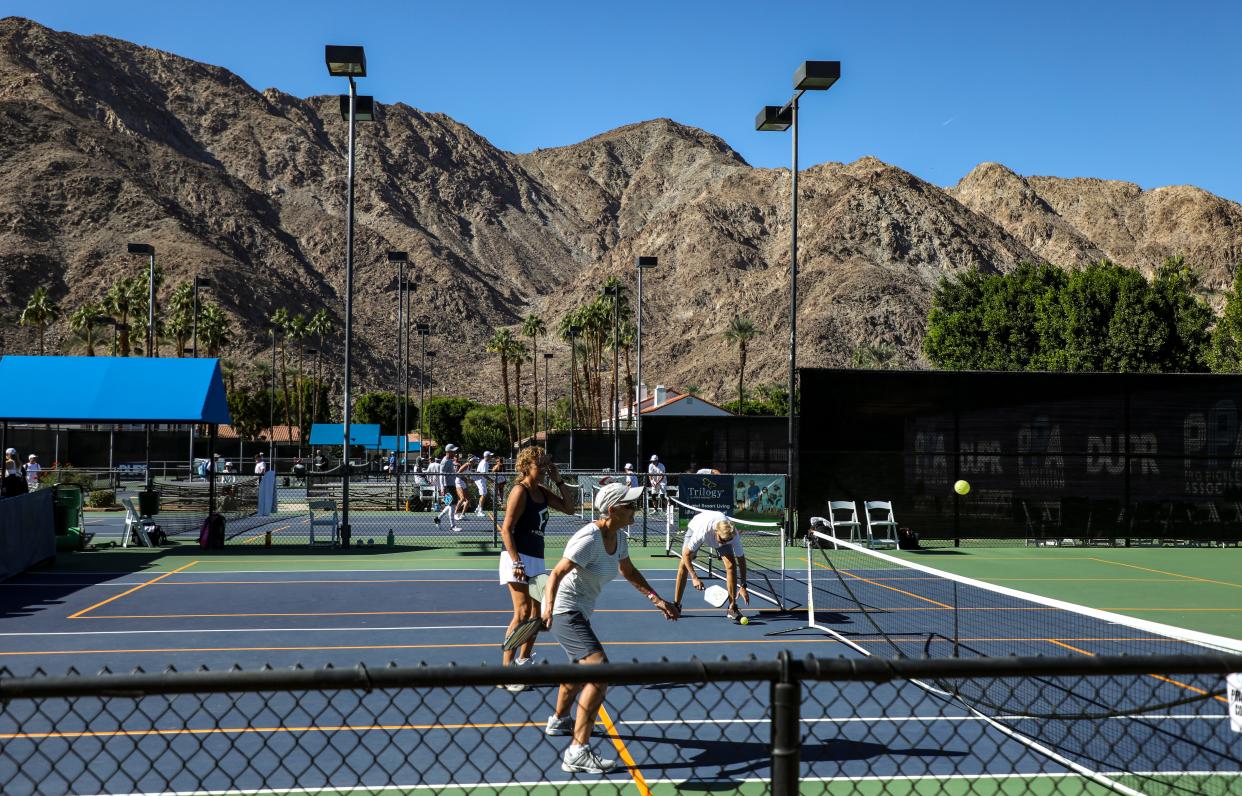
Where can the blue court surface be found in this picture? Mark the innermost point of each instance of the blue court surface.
(186, 608)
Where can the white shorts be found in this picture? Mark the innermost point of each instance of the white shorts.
(481, 485)
(534, 566)
(460, 483)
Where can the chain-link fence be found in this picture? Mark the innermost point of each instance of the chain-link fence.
(1055, 726)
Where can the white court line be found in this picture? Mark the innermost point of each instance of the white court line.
(381, 789)
(246, 630)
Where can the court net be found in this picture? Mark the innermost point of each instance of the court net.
(882, 605)
(183, 506)
(763, 542)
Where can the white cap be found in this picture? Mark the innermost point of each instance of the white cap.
(629, 466)
(32, 456)
(450, 447)
(488, 454)
(11, 451)
(611, 494)
(655, 458)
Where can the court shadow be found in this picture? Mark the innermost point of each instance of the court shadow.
(937, 551)
(731, 761)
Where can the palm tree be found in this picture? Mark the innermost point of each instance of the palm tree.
(280, 322)
(40, 311)
(740, 332)
(298, 330)
(181, 316)
(321, 326)
(518, 354)
(85, 322)
(502, 343)
(119, 303)
(534, 328)
(214, 328)
(139, 290)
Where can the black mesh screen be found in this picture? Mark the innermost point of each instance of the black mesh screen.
(1047, 455)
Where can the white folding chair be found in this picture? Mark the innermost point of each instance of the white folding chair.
(881, 524)
(843, 514)
(327, 519)
(134, 532)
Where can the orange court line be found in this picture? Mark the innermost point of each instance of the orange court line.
(785, 640)
(457, 612)
(1173, 574)
(246, 730)
(261, 534)
(1156, 676)
(101, 603)
(640, 782)
(346, 582)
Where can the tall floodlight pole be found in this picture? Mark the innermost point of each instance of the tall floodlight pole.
(547, 429)
(149, 250)
(431, 376)
(271, 409)
(641, 264)
(615, 292)
(349, 62)
(400, 258)
(574, 331)
(811, 76)
(424, 329)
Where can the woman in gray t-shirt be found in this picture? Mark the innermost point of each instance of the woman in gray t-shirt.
(593, 556)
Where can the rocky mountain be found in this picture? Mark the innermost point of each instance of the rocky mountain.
(103, 142)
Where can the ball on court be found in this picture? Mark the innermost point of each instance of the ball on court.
(745, 620)
(961, 487)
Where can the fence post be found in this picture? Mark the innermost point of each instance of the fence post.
(786, 732)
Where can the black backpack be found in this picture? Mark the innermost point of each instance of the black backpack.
(211, 534)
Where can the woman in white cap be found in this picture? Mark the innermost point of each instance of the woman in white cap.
(593, 557)
(526, 517)
(10, 462)
(32, 472)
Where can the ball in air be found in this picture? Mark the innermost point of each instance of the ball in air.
(745, 620)
(961, 487)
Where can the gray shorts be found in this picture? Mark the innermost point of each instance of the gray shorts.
(573, 631)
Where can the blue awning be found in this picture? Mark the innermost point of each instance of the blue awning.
(393, 442)
(112, 390)
(365, 434)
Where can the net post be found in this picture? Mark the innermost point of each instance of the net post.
(786, 695)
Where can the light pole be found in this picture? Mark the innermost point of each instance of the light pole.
(811, 76)
(271, 409)
(574, 331)
(615, 292)
(431, 376)
(349, 62)
(149, 250)
(641, 263)
(400, 258)
(199, 281)
(424, 330)
(547, 363)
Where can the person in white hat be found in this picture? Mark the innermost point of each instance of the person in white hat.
(713, 528)
(631, 477)
(480, 482)
(657, 481)
(593, 557)
(32, 472)
(448, 484)
(10, 462)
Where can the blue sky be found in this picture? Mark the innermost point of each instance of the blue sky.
(1144, 91)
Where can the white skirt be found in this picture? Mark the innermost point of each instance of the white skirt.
(534, 566)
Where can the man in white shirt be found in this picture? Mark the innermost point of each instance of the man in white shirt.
(657, 481)
(32, 472)
(631, 477)
(448, 486)
(260, 466)
(712, 528)
(485, 465)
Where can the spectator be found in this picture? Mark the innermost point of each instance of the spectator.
(319, 461)
(11, 467)
(260, 466)
(657, 481)
(32, 472)
(631, 477)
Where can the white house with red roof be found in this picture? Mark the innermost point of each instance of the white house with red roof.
(668, 402)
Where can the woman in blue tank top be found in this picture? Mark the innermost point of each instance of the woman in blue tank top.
(526, 516)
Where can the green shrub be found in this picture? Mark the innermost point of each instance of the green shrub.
(68, 475)
(101, 499)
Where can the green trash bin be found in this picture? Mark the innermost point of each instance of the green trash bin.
(67, 502)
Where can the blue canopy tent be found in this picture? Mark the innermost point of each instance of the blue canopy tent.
(366, 435)
(113, 390)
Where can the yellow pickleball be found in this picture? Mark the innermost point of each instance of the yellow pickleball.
(961, 487)
(745, 620)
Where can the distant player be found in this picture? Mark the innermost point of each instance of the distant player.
(657, 481)
(480, 482)
(712, 528)
(448, 477)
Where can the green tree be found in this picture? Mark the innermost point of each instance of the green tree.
(321, 327)
(214, 328)
(1226, 352)
(483, 429)
(119, 303)
(40, 312)
(518, 354)
(180, 324)
(872, 356)
(534, 328)
(382, 407)
(739, 333)
(140, 295)
(502, 343)
(85, 322)
(444, 418)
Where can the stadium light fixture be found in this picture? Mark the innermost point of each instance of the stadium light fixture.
(574, 331)
(349, 62)
(641, 263)
(810, 76)
(364, 108)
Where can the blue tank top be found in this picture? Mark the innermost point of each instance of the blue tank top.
(528, 530)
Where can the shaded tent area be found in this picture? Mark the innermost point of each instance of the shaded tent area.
(116, 390)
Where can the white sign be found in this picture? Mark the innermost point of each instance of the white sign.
(1233, 683)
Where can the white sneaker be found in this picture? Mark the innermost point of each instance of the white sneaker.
(526, 661)
(564, 725)
(456, 529)
(585, 761)
(515, 688)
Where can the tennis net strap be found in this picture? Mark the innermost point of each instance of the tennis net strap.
(764, 543)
